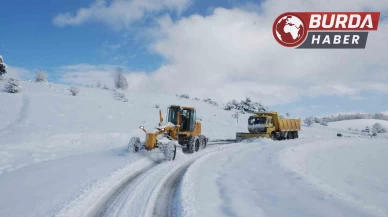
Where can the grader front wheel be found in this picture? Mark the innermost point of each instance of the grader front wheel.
(134, 145)
(169, 150)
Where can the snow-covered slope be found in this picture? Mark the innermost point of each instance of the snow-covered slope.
(45, 121)
(63, 155)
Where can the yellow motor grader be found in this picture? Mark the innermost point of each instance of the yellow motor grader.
(181, 129)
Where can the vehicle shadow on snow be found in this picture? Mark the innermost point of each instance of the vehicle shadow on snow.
(154, 155)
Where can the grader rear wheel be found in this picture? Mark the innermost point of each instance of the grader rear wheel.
(193, 144)
(204, 141)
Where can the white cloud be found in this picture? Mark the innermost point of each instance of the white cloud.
(119, 13)
(232, 54)
(17, 72)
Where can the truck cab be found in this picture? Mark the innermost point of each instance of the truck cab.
(260, 123)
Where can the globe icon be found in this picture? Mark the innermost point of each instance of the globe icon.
(289, 29)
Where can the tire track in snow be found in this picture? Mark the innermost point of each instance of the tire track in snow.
(23, 114)
(118, 194)
(165, 205)
(150, 192)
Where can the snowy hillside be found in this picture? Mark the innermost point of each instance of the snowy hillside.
(45, 121)
(357, 124)
(64, 155)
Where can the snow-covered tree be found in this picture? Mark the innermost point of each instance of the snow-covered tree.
(119, 95)
(41, 77)
(74, 90)
(324, 123)
(245, 106)
(309, 121)
(120, 80)
(185, 96)
(13, 86)
(378, 128)
(3, 67)
(288, 114)
(210, 101)
(98, 84)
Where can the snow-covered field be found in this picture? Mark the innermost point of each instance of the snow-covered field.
(63, 155)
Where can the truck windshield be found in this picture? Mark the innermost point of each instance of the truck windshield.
(257, 120)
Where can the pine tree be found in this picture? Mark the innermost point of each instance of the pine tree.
(3, 67)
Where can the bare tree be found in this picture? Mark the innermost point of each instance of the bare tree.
(74, 90)
(41, 76)
(236, 115)
(120, 80)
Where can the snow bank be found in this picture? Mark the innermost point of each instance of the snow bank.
(351, 169)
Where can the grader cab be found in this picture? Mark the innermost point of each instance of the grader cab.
(181, 129)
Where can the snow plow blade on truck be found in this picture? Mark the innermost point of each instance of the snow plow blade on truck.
(270, 125)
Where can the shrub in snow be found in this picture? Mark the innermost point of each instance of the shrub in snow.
(105, 87)
(378, 128)
(196, 98)
(324, 123)
(120, 96)
(98, 84)
(288, 114)
(74, 90)
(210, 101)
(156, 106)
(13, 86)
(185, 96)
(3, 67)
(309, 121)
(120, 80)
(41, 77)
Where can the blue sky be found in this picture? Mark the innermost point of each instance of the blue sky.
(31, 40)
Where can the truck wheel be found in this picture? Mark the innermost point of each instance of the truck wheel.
(273, 136)
(296, 135)
(203, 141)
(289, 135)
(192, 145)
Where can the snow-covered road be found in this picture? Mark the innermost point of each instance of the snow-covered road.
(250, 180)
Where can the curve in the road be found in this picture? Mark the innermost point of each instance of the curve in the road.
(165, 200)
(149, 192)
(106, 206)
